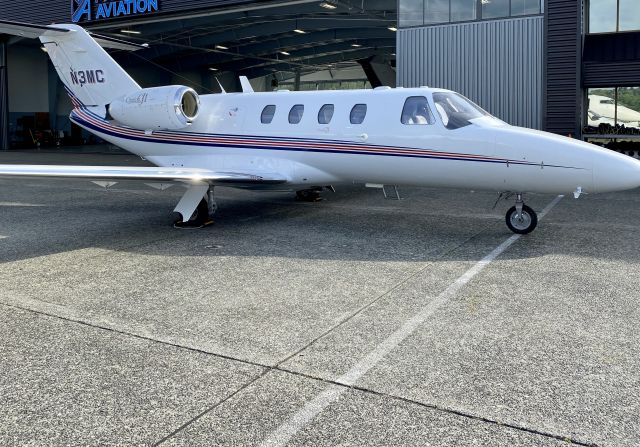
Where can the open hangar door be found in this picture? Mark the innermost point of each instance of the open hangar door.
(277, 44)
(295, 45)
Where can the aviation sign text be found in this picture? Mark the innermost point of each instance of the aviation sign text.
(86, 10)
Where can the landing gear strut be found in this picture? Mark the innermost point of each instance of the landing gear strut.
(212, 205)
(201, 217)
(520, 218)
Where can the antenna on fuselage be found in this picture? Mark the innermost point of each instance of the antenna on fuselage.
(246, 85)
(222, 90)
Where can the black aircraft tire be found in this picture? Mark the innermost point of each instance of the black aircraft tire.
(526, 225)
(199, 218)
(202, 212)
(309, 195)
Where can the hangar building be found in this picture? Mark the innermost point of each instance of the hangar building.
(567, 66)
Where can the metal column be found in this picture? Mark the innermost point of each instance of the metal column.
(4, 96)
(296, 82)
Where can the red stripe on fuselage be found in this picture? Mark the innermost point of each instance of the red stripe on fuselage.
(174, 138)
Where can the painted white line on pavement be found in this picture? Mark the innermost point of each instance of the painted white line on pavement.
(20, 204)
(283, 434)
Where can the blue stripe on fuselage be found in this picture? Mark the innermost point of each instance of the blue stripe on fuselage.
(461, 157)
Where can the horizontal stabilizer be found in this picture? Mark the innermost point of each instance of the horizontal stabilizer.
(30, 31)
(117, 44)
(147, 174)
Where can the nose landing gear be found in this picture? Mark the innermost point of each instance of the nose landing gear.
(520, 218)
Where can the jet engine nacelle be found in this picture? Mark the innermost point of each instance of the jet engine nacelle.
(172, 107)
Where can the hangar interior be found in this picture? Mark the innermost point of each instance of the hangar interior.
(303, 45)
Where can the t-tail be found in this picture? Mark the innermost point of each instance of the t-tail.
(92, 77)
(85, 68)
(95, 81)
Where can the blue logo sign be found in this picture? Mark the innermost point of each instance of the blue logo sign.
(88, 10)
(80, 8)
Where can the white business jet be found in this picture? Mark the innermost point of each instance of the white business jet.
(308, 141)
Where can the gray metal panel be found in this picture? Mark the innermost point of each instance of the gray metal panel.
(38, 12)
(4, 97)
(497, 64)
(611, 74)
(611, 60)
(562, 66)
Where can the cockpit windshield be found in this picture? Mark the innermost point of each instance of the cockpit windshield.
(455, 110)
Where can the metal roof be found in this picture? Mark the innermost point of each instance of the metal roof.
(267, 38)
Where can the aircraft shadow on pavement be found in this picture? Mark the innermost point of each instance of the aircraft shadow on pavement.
(349, 226)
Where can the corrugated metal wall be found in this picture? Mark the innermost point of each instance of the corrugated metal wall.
(4, 97)
(562, 113)
(611, 60)
(497, 64)
(610, 74)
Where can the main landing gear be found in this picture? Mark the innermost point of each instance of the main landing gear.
(202, 216)
(520, 218)
(312, 194)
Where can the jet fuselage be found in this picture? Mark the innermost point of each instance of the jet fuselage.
(485, 154)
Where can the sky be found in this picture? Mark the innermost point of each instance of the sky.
(602, 15)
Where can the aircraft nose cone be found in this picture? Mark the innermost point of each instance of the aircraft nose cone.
(615, 172)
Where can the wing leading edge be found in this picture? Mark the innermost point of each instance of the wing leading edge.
(198, 181)
(157, 174)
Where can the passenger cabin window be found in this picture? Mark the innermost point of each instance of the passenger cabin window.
(295, 114)
(416, 111)
(325, 114)
(358, 113)
(267, 114)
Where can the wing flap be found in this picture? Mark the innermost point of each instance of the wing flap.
(154, 174)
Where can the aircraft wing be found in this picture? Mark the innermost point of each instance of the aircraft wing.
(149, 174)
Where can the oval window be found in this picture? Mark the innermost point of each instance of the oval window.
(267, 114)
(325, 114)
(295, 114)
(358, 113)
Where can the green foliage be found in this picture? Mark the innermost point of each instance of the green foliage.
(627, 96)
(609, 93)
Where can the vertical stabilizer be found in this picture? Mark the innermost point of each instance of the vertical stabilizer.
(85, 68)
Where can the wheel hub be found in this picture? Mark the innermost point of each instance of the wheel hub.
(521, 223)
